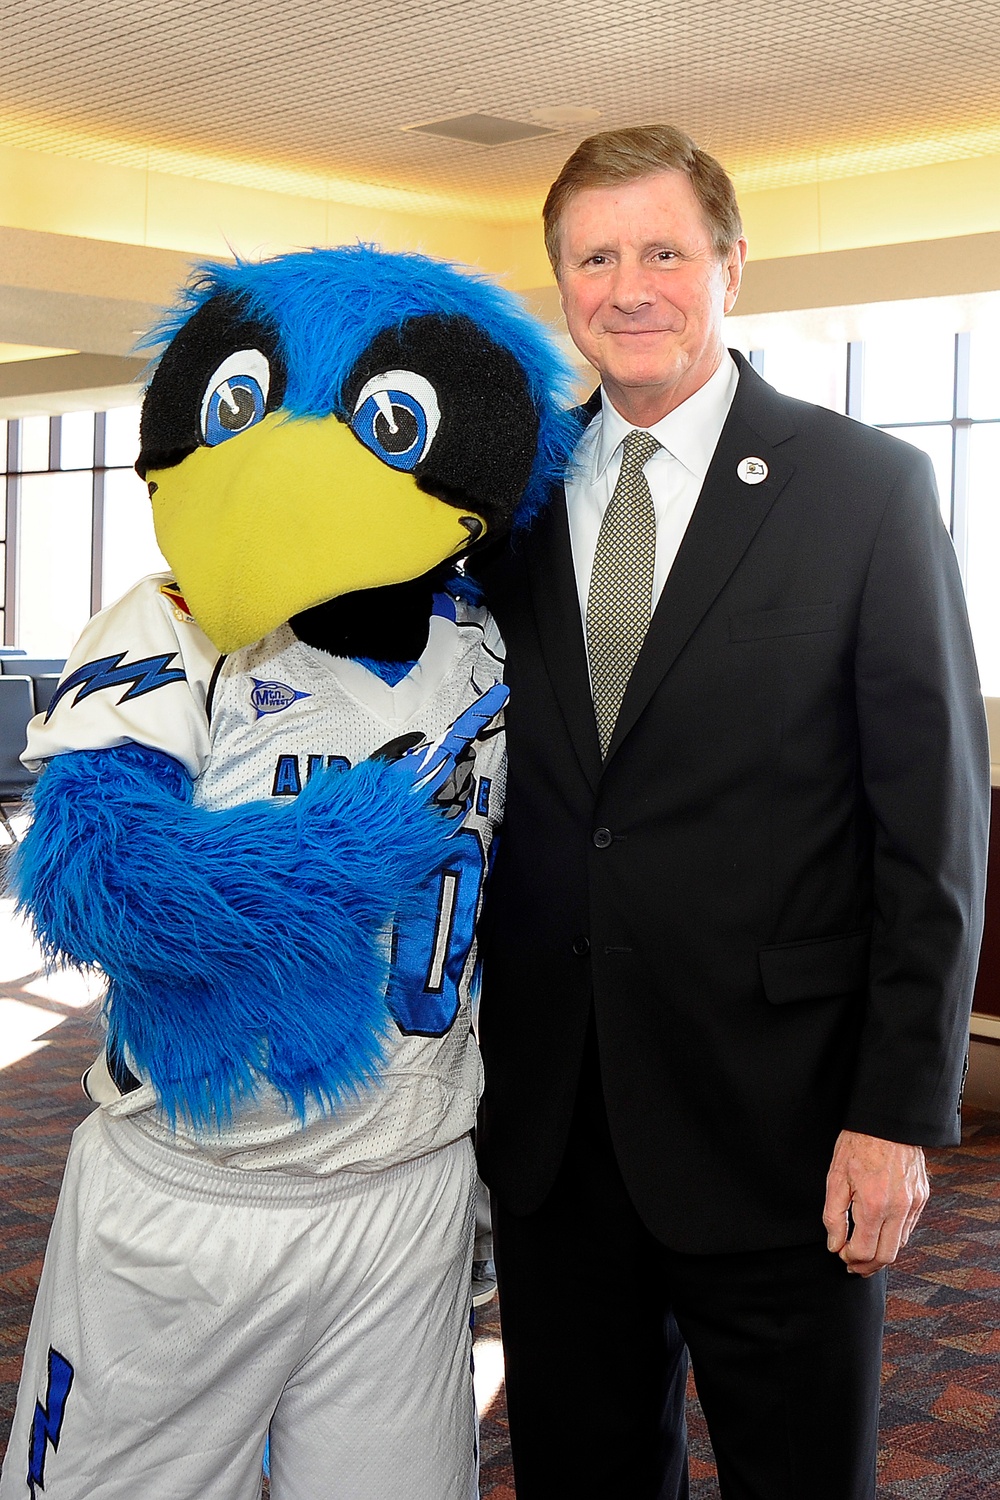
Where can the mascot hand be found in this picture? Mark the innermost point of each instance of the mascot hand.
(243, 941)
(444, 770)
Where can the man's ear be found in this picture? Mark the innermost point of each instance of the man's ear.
(734, 272)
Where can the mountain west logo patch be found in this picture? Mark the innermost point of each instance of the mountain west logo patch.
(273, 697)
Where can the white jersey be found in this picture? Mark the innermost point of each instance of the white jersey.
(257, 724)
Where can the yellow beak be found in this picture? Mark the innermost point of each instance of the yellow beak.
(287, 515)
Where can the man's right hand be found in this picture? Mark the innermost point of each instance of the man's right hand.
(883, 1184)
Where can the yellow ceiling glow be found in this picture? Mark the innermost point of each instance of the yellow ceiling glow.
(12, 354)
(314, 101)
(860, 158)
(832, 162)
(56, 138)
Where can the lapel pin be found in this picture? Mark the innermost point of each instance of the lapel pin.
(752, 470)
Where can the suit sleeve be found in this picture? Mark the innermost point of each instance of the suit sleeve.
(925, 770)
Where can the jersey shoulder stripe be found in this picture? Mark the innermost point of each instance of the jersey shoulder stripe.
(139, 673)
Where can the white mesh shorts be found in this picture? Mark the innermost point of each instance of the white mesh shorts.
(186, 1310)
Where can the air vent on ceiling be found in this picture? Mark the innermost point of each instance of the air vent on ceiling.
(482, 130)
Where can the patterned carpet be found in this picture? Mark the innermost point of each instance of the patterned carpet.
(941, 1406)
(941, 1372)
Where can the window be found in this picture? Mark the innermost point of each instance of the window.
(925, 371)
(78, 528)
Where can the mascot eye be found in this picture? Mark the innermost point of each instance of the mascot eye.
(396, 415)
(235, 397)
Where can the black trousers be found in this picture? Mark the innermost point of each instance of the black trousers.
(595, 1313)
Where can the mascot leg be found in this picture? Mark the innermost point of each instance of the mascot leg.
(161, 1334)
(184, 1308)
(381, 1406)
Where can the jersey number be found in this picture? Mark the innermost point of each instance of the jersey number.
(429, 958)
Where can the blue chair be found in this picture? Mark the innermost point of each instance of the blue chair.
(17, 706)
(12, 651)
(45, 687)
(32, 666)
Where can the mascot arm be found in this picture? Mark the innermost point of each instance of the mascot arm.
(245, 942)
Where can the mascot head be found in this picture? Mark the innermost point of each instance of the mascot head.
(335, 422)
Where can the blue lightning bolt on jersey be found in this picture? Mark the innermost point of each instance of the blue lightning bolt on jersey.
(136, 677)
(258, 725)
(46, 1426)
(139, 672)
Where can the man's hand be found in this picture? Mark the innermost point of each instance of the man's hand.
(884, 1185)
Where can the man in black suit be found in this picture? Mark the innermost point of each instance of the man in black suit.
(734, 922)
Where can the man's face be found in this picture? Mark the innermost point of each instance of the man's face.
(644, 290)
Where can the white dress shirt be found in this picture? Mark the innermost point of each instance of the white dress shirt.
(688, 437)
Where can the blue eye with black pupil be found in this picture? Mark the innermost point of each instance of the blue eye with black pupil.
(235, 405)
(393, 424)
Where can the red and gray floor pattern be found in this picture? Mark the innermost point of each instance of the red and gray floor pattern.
(941, 1400)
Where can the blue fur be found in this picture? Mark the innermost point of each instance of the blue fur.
(391, 672)
(457, 586)
(327, 305)
(241, 942)
(463, 586)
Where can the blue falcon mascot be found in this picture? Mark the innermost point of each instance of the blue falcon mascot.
(270, 783)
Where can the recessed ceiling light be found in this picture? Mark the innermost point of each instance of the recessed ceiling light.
(482, 130)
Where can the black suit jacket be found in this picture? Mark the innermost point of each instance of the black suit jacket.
(771, 892)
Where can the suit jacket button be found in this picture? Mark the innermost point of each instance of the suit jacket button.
(581, 946)
(603, 838)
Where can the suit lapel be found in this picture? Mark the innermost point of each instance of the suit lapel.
(556, 605)
(725, 520)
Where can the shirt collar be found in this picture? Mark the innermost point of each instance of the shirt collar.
(690, 432)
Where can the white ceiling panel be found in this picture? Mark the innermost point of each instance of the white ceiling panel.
(316, 96)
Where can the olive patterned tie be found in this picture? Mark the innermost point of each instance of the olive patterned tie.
(620, 600)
